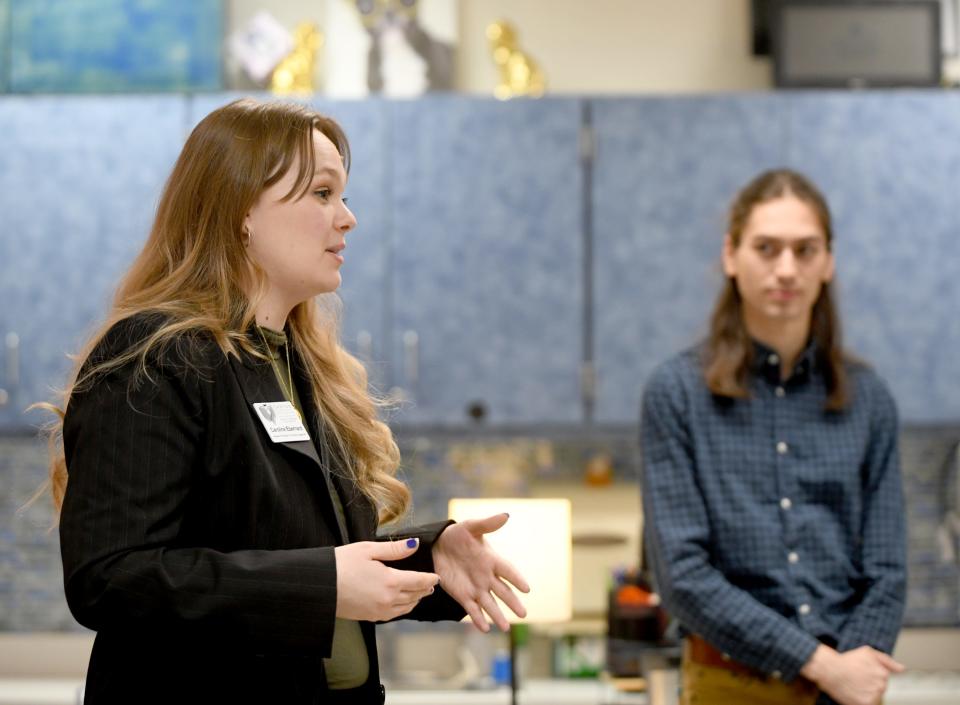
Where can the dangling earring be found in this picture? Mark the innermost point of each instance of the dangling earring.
(248, 236)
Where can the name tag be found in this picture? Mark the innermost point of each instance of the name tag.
(281, 421)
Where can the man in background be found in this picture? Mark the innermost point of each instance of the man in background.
(771, 481)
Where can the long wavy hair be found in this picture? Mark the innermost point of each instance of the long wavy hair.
(728, 353)
(195, 274)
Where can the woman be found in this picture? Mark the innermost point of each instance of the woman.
(227, 470)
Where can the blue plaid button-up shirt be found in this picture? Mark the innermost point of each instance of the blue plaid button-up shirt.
(771, 523)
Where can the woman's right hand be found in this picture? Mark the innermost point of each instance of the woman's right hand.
(370, 591)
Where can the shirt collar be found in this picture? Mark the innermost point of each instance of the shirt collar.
(267, 339)
(766, 361)
(274, 338)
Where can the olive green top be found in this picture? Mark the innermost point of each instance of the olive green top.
(349, 664)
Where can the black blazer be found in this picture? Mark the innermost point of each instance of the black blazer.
(200, 551)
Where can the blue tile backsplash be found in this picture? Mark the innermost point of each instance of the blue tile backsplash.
(439, 465)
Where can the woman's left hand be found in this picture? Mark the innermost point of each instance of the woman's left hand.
(472, 573)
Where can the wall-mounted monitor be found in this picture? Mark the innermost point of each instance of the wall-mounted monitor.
(856, 43)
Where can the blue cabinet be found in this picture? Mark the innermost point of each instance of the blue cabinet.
(464, 281)
(363, 292)
(486, 258)
(665, 171)
(889, 164)
(79, 183)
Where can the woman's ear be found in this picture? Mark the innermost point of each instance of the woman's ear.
(727, 256)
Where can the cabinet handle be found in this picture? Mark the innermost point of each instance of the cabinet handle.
(411, 361)
(12, 343)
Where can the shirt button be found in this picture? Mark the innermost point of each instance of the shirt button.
(785, 503)
(782, 448)
(793, 557)
(780, 392)
(776, 675)
(804, 608)
(725, 656)
(773, 359)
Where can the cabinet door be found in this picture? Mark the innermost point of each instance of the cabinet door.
(665, 171)
(79, 184)
(888, 163)
(363, 291)
(486, 258)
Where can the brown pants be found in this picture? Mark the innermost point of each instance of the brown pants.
(714, 684)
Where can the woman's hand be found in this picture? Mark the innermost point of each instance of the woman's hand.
(470, 571)
(370, 591)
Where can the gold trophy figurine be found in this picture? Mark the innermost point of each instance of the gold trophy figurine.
(519, 74)
(294, 74)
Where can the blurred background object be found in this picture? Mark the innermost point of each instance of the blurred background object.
(519, 74)
(260, 45)
(398, 48)
(101, 46)
(949, 532)
(857, 45)
(637, 628)
(294, 74)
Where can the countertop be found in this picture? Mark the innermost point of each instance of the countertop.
(916, 688)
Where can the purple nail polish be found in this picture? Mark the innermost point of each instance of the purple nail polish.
(412, 543)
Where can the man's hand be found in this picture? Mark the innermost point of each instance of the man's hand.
(856, 677)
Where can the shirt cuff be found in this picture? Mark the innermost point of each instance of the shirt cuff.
(789, 656)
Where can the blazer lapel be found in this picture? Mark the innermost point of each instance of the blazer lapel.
(259, 384)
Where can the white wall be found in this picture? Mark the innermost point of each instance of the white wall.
(620, 46)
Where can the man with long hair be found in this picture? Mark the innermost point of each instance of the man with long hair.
(771, 480)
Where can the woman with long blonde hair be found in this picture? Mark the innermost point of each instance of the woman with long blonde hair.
(223, 470)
